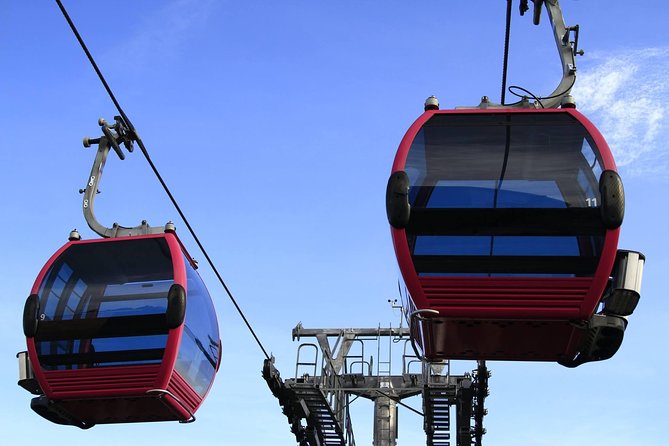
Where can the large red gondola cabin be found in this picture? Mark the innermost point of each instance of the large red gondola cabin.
(505, 225)
(120, 330)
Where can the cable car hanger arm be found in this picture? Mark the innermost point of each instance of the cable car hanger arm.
(113, 137)
(567, 50)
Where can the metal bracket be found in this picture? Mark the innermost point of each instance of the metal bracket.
(162, 392)
(414, 318)
(113, 136)
(565, 47)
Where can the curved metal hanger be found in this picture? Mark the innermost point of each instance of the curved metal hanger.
(113, 137)
(567, 50)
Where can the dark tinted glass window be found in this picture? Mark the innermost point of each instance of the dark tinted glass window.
(485, 155)
(462, 194)
(505, 161)
(103, 304)
(497, 245)
(199, 349)
(481, 194)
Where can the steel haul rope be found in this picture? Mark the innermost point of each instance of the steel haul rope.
(136, 137)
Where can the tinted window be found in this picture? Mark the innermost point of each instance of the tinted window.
(199, 349)
(485, 156)
(489, 161)
(497, 245)
(105, 281)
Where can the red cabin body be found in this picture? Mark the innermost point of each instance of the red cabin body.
(505, 231)
(121, 330)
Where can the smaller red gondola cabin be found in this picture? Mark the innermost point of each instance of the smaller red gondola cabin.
(120, 330)
(505, 225)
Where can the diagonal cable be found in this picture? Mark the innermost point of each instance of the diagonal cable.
(507, 36)
(135, 136)
(399, 401)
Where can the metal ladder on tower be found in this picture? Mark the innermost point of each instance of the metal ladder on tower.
(437, 400)
(320, 416)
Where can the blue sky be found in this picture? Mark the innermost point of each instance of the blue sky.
(275, 125)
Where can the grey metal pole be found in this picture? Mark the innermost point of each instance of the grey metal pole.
(385, 422)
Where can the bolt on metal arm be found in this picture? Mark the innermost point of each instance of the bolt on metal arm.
(113, 136)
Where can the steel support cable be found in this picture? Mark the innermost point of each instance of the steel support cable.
(507, 36)
(158, 176)
(498, 186)
(398, 401)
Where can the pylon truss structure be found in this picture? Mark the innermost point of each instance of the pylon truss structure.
(331, 372)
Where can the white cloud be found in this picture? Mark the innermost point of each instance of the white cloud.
(626, 95)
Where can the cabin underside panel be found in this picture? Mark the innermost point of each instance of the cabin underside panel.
(498, 339)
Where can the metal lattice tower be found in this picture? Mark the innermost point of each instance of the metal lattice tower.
(335, 368)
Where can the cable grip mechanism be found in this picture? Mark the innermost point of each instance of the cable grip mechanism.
(113, 137)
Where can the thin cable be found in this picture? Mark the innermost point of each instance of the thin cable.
(95, 66)
(160, 178)
(537, 98)
(563, 92)
(498, 186)
(398, 401)
(515, 87)
(506, 49)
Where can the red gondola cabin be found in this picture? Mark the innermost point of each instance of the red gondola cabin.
(120, 330)
(505, 225)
